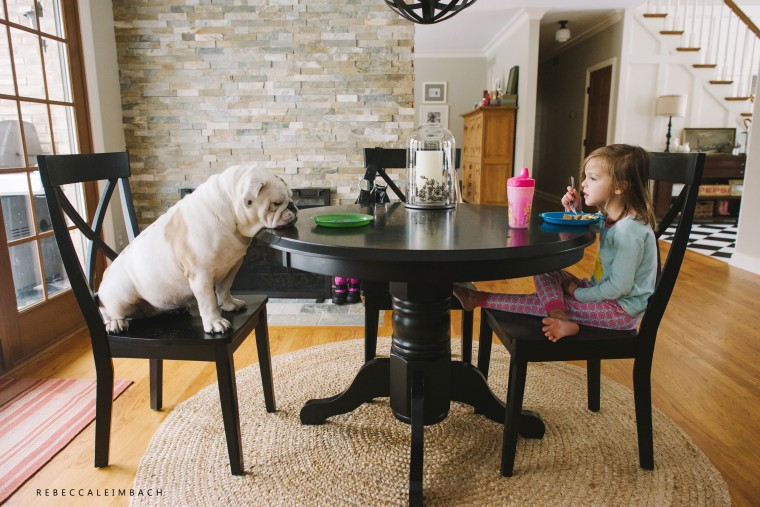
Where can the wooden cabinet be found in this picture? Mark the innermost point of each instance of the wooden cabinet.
(488, 153)
(722, 177)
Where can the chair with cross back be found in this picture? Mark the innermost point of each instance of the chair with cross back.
(525, 341)
(169, 336)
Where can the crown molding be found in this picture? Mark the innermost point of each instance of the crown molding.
(523, 15)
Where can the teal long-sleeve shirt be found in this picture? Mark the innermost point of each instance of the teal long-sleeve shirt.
(626, 268)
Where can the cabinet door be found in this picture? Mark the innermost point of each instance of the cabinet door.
(472, 182)
(493, 183)
(498, 141)
(473, 136)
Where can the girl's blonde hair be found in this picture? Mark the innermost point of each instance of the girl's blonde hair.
(628, 167)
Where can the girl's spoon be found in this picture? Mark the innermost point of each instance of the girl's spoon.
(572, 202)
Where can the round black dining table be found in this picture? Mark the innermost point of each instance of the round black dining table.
(422, 253)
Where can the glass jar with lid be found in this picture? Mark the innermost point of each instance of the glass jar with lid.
(431, 176)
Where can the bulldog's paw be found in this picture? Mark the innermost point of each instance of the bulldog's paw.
(233, 304)
(216, 325)
(117, 325)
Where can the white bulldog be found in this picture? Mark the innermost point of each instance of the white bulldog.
(195, 249)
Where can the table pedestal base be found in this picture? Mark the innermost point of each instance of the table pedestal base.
(467, 385)
(419, 376)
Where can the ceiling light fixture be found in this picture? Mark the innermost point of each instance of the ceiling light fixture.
(427, 12)
(563, 32)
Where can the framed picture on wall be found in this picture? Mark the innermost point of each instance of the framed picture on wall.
(435, 114)
(434, 93)
(710, 140)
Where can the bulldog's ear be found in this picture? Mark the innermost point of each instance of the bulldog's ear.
(252, 193)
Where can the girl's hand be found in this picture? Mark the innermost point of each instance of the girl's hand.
(569, 287)
(571, 197)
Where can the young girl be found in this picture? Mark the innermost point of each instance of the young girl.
(614, 179)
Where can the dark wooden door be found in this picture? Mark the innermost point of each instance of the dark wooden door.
(598, 109)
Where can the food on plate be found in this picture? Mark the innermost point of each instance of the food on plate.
(581, 216)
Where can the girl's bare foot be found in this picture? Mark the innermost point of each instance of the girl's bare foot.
(555, 328)
(467, 297)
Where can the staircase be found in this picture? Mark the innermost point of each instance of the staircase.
(717, 36)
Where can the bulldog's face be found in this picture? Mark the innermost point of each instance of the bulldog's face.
(266, 202)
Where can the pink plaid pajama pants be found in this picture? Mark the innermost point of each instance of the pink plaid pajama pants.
(550, 296)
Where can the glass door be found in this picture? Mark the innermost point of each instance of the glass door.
(42, 111)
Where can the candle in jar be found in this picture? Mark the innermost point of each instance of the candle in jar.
(429, 165)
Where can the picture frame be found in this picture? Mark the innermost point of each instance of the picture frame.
(435, 114)
(434, 93)
(718, 140)
(512, 81)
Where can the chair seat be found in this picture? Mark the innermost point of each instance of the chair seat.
(526, 329)
(186, 327)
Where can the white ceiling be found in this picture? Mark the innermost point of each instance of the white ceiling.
(470, 32)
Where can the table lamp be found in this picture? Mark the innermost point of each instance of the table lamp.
(670, 106)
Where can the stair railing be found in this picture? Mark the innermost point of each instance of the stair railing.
(724, 36)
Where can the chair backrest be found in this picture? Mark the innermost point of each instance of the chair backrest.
(56, 171)
(678, 168)
(377, 160)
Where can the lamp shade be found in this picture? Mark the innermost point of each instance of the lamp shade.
(427, 12)
(671, 105)
(11, 149)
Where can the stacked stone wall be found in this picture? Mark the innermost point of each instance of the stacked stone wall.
(299, 87)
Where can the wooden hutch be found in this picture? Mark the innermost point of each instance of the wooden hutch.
(488, 154)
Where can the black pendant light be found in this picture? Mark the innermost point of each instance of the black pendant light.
(427, 12)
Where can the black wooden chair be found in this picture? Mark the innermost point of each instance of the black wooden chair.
(177, 336)
(376, 294)
(523, 338)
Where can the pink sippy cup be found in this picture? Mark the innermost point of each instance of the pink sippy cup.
(520, 199)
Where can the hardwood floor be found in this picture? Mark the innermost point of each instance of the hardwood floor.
(706, 377)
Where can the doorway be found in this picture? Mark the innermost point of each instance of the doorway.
(597, 112)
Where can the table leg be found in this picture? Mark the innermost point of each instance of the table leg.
(468, 385)
(371, 382)
(418, 441)
(421, 345)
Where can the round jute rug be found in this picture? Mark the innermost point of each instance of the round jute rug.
(362, 458)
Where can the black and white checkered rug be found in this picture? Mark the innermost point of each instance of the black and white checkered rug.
(715, 240)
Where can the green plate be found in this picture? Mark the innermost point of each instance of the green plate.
(343, 220)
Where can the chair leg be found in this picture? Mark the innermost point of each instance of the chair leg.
(371, 321)
(484, 345)
(593, 383)
(156, 383)
(467, 318)
(103, 410)
(265, 361)
(518, 370)
(642, 395)
(225, 375)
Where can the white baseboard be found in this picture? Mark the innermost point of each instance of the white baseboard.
(746, 262)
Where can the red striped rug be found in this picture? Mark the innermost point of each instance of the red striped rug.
(38, 418)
